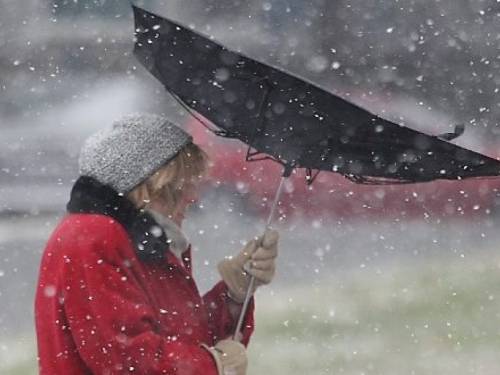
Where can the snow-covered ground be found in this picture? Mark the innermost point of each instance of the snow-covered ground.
(420, 318)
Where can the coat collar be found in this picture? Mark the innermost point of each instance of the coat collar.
(177, 241)
(90, 196)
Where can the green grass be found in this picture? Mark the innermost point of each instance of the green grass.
(427, 318)
(402, 319)
(18, 355)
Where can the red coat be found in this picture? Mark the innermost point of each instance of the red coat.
(99, 309)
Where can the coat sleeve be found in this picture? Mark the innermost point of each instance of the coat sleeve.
(221, 324)
(112, 322)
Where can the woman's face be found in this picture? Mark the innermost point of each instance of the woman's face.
(187, 196)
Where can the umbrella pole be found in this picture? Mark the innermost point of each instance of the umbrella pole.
(286, 173)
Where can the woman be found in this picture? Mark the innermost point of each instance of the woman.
(115, 293)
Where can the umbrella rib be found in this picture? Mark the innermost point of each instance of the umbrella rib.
(368, 180)
(254, 156)
(260, 118)
(192, 112)
(310, 176)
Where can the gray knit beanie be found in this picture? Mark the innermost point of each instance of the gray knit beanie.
(131, 150)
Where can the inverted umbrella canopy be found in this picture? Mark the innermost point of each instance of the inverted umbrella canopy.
(289, 119)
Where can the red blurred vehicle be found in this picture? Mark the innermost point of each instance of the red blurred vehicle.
(335, 197)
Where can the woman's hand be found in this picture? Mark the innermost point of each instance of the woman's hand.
(257, 259)
(229, 356)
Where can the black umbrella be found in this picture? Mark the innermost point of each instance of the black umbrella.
(293, 121)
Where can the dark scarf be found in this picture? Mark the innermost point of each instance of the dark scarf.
(90, 196)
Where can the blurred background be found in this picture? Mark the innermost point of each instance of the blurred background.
(372, 279)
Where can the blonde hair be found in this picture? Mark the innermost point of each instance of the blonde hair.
(168, 181)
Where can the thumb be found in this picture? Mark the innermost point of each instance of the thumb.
(271, 237)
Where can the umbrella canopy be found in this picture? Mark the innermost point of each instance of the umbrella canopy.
(291, 120)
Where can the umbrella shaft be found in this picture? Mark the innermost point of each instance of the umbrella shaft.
(244, 308)
(275, 203)
(250, 287)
